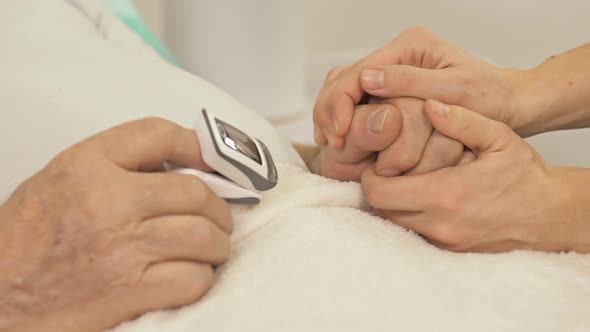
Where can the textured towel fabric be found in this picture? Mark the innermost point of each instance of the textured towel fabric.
(308, 258)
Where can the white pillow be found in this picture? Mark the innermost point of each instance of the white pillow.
(71, 69)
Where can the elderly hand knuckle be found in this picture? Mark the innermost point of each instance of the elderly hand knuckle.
(333, 73)
(406, 161)
(197, 189)
(203, 233)
(69, 159)
(321, 114)
(450, 154)
(156, 124)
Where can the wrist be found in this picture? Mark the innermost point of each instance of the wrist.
(534, 102)
(521, 106)
(554, 95)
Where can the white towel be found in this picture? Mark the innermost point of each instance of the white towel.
(307, 259)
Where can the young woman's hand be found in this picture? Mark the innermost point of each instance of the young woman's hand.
(417, 64)
(507, 198)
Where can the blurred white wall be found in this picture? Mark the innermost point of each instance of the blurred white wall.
(254, 49)
(509, 33)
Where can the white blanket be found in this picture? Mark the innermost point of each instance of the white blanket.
(308, 258)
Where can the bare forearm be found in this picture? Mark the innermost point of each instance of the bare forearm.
(556, 94)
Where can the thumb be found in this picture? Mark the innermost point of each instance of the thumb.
(374, 127)
(474, 130)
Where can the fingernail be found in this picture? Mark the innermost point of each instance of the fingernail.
(336, 125)
(377, 120)
(440, 108)
(373, 79)
(388, 172)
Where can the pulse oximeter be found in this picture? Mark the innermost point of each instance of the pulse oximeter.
(244, 164)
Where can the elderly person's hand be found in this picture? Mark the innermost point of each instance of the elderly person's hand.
(374, 128)
(396, 135)
(101, 235)
(507, 198)
(418, 148)
(417, 64)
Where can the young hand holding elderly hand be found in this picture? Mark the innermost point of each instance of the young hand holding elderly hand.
(507, 198)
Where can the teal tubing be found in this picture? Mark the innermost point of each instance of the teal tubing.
(128, 14)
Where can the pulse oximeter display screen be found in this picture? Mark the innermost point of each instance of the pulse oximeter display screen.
(238, 141)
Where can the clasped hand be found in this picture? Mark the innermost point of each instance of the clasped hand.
(462, 179)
